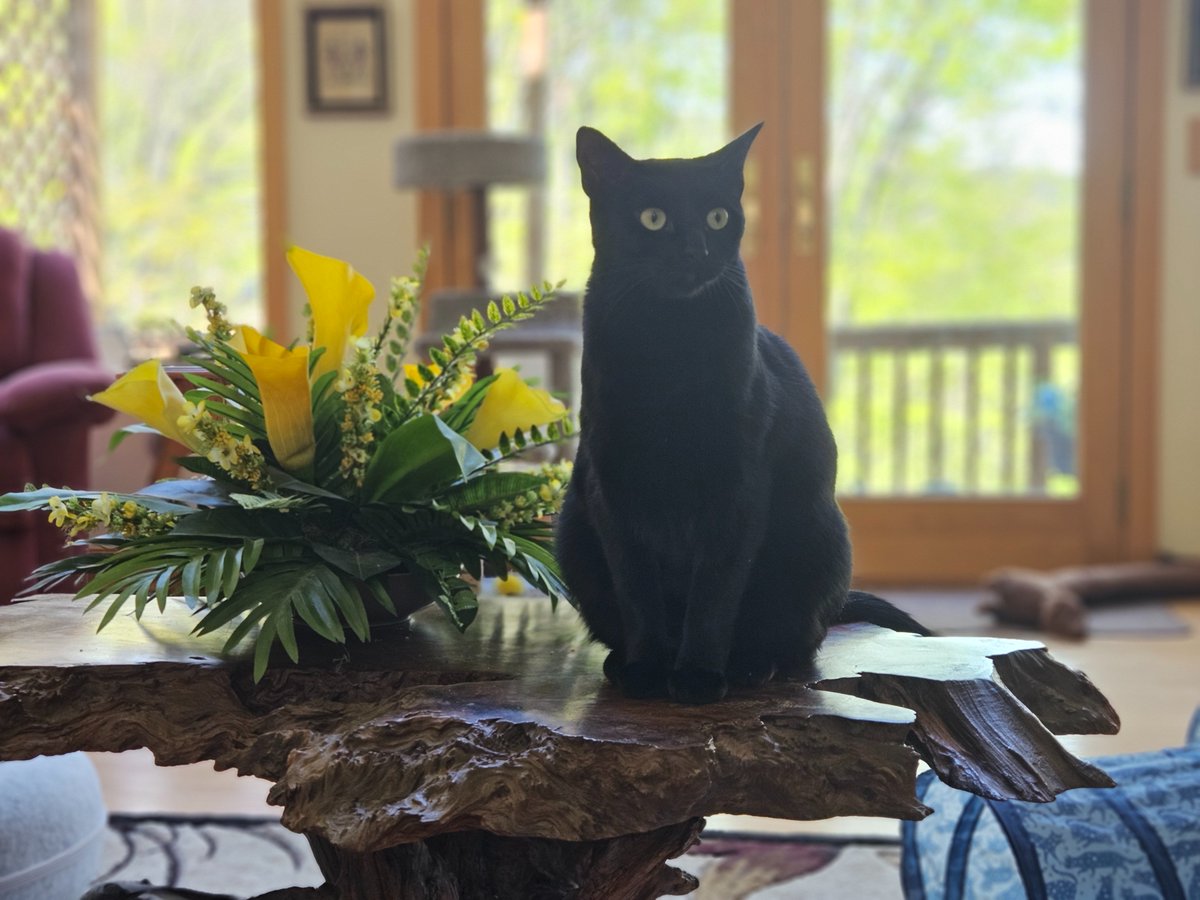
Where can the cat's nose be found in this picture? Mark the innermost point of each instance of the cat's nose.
(696, 246)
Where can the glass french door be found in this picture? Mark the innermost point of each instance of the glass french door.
(969, 188)
(940, 211)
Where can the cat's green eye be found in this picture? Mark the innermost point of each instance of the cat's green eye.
(717, 218)
(653, 218)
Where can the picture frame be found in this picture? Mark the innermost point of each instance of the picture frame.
(1191, 50)
(346, 59)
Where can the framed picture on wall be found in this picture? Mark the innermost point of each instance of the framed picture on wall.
(346, 58)
(1191, 53)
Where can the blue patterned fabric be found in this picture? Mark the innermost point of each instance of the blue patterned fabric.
(1138, 840)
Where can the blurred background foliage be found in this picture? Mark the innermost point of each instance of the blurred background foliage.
(180, 156)
(953, 177)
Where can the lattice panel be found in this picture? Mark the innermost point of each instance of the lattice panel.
(47, 138)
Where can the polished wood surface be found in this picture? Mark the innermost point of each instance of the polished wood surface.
(510, 731)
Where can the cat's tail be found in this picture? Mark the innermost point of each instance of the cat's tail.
(863, 607)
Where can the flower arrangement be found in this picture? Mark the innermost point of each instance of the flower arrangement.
(323, 468)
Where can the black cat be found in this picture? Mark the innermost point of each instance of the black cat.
(700, 535)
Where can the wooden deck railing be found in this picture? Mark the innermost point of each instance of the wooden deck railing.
(923, 389)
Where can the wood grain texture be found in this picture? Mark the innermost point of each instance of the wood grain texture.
(460, 746)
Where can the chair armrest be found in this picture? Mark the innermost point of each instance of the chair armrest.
(52, 393)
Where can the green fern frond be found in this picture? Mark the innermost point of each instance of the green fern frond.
(464, 344)
(403, 313)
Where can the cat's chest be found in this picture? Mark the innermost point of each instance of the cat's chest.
(676, 444)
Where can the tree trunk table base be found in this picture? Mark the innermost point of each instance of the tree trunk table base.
(426, 764)
(479, 864)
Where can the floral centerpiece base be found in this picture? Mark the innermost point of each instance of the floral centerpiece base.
(322, 470)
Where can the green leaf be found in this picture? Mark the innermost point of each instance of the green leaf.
(142, 593)
(262, 647)
(250, 599)
(163, 585)
(462, 413)
(440, 575)
(268, 501)
(248, 402)
(321, 385)
(490, 488)
(120, 434)
(417, 458)
(537, 562)
(233, 385)
(240, 523)
(123, 565)
(319, 612)
(379, 591)
(285, 627)
(238, 421)
(253, 550)
(231, 569)
(190, 580)
(348, 601)
(202, 466)
(191, 491)
(361, 564)
(40, 499)
(285, 482)
(258, 610)
(212, 579)
(113, 609)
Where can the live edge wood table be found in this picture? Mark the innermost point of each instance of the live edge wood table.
(499, 764)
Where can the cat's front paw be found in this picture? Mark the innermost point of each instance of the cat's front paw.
(640, 679)
(696, 686)
(750, 673)
(637, 679)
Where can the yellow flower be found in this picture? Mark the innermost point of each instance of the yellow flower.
(282, 378)
(508, 405)
(148, 393)
(103, 507)
(511, 585)
(192, 413)
(339, 297)
(58, 512)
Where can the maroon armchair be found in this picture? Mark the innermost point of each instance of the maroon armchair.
(48, 366)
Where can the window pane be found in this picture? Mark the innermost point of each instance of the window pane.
(179, 138)
(651, 74)
(954, 192)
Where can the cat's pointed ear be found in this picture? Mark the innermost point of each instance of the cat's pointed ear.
(733, 154)
(601, 162)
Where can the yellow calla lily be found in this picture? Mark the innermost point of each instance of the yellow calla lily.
(339, 297)
(147, 392)
(282, 378)
(508, 405)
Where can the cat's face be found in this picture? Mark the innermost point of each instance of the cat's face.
(671, 226)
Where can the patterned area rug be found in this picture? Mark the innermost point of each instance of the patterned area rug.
(248, 856)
